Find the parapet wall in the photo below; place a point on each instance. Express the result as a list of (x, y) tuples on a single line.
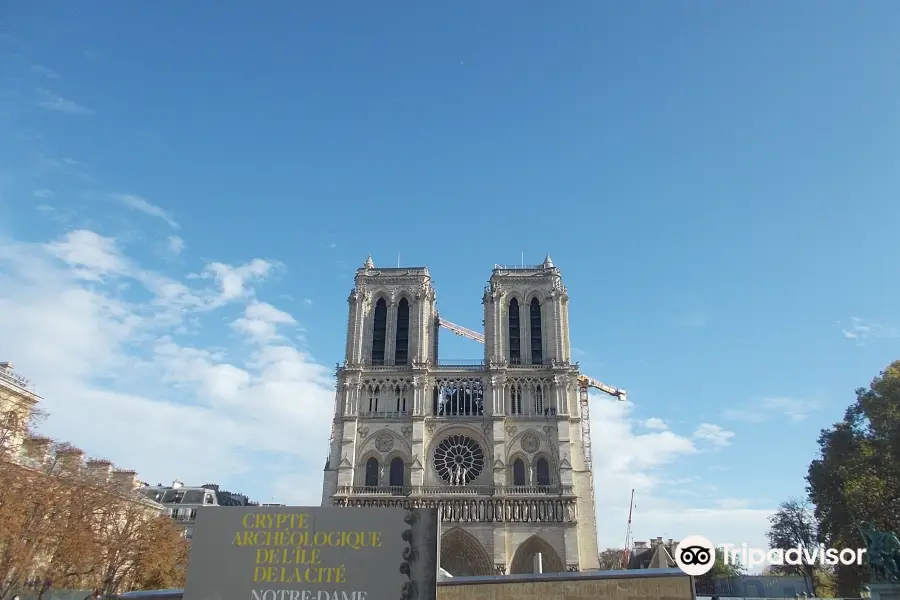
[(644, 584)]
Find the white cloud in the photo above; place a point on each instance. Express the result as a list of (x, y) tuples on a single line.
[(765, 409), (233, 281), (655, 423), (43, 194), (51, 101), (141, 205), (665, 504), (174, 245), (261, 320), (713, 434), (91, 255), (210, 415), (861, 330)]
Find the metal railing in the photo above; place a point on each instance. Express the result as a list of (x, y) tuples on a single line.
[(498, 267), (462, 490), (386, 414)]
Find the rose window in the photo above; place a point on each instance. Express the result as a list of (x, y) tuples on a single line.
[(459, 459)]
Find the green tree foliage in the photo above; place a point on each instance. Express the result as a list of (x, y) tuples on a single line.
[(794, 526), (611, 559), (857, 473), (721, 569)]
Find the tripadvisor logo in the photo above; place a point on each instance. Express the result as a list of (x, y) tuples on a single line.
[(696, 556)]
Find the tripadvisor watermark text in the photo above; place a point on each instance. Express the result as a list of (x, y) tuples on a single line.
[(826, 557), (696, 555)]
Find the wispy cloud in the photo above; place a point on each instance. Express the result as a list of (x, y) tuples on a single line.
[(50, 101), (139, 204), (766, 409), (861, 330), (43, 194), (714, 435), (45, 71), (174, 245)]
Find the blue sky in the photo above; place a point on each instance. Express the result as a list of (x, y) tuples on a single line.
[(715, 180)]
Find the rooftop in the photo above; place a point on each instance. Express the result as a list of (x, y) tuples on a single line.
[(9, 376)]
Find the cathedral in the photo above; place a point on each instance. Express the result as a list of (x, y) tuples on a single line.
[(495, 444)]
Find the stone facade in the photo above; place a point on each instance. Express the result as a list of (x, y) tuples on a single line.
[(495, 444)]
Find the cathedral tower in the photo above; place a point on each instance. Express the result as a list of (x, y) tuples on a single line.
[(496, 444)]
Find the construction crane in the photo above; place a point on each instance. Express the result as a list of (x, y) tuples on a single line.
[(628, 541), (584, 384)]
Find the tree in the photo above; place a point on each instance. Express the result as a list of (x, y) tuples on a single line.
[(794, 526), (723, 568), (611, 559), (856, 475), (65, 525)]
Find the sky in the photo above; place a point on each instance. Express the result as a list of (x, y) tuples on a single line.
[(186, 190)]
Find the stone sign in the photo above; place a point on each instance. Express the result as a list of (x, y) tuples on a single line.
[(313, 553)]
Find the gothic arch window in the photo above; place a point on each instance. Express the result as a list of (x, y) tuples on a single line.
[(372, 472), (515, 397), (401, 354), (436, 394), (379, 335), (373, 400), (542, 472), (401, 400), (515, 343), (519, 472), (398, 472), (537, 348), (538, 400)]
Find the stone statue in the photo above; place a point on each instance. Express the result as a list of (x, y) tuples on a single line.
[(883, 550)]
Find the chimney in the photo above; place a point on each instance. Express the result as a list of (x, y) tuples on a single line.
[(126, 479), (640, 545), (36, 448), (69, 459), (99, 469)]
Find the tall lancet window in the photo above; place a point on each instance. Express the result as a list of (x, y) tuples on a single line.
[(379, 335), (537, 348), (372, 472), (401, 354), (515, 342)]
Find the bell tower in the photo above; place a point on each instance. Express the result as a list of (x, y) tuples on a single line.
[(391, 321), (526, 316)]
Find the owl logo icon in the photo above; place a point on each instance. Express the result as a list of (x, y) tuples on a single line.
[(695, 555)]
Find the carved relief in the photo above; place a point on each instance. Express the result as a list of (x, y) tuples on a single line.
[(530, 443), (363, 432), (407, 432), (500, 569), (511, 430), (384, 442)]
